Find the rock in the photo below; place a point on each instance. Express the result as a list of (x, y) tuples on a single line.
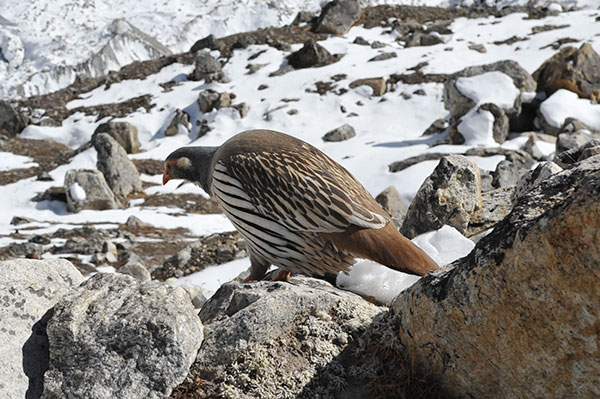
[(134, 221), (575, 125), (500, 128), (18, 220), (242, 109), (384, 56), (480, 48), (496, 204), (311, 55), (136, 270), (340, 133), (210, 42), (304, 17), (516, 317), (576, 70), (377, 84), (264, 328), (28, 250), (211, 99), (459, 104), (115, 337), (578, 154), (29, 289), (506, 174), (533, 178), (12, 122), (124, 133), (207, 68), (97, 194), (44, 176), (436, 127), (449, 196), (570, 141), (337, 17), (377, 44), (120, 173), (424, 39), (361, 41), (282, 70), (179, 123), (391, 202)]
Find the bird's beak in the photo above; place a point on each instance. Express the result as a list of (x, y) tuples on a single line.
[(167, 173)]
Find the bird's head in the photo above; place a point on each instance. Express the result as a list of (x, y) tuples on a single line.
[(191, 164)]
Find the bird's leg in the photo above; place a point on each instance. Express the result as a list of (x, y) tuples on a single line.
[(282, 275), (258, 268)]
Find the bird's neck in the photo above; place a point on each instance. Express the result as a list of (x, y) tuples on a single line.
[(203, 170)]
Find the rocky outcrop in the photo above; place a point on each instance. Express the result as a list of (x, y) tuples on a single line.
[(340, 133), (124, 133), (12, 122), (29, 288), (87, 189), (517, 317), (576, 70), (338, 16), (120, 173), (274, 339), (448, 196), (115, 337), (207, 68)]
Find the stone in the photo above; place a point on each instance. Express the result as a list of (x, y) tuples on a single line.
[(378, 85), (207, 68), (576, 70), (570, 141), (506, 174), (391, 202), (533, 178), (449, 196), (264, 328), (210, 42), (361, 41), (338, 16), (516, 317), (28, 291), (136, 270), (311, 55), (115, 337), (459, 105), (500, 128), (340, 133), (589, 149), (124, 133), (242, 109), (12, 122), (211, 99), (304, 17), (136, 222), (120, 173), (282, 70), (496, 204), (27, 250), (377, 44), (424, 39), (438, 126), (44, 176), (384, 56), (480, 48), (243, 41), (179, 123), (97, 193)]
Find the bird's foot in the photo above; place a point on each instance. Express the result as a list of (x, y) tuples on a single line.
[(282, 275)]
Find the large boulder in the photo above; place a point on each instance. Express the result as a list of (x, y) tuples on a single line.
[(12, 122), (207, 68), (274, 340), (120, 173), (338, 16), (449, 196), (29, 289), (311, 55), (124, 133), (576, 70), (116, 337), (518, 317), (87, 189)]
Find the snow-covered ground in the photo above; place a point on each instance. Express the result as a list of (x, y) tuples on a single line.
[(387, 131)]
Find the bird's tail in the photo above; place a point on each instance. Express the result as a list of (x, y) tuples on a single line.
[(385, 246)]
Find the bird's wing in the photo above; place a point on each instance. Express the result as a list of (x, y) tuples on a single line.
[(305, 193)]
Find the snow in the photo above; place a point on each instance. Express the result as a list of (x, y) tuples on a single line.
[(490, 87), (565, 104), (477, 127), (9, 161), (77, 192), (211, 278)]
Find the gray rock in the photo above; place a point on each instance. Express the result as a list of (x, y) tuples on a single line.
[(480, 48), (242, 109), (136, 270), (303, 17), (120, 173), (134, 221), (265, 328), (12, 122), (533, 178), (338, 16), (384, 56), (506, 174), (570, 141), (124, 133), (340, 133), (391, 202), (211, 99), (459, 105), (361, 41), (207, 68), (449, 196), (424, 39), (28, 250), (500, 130), (378, 85), (517, 317), (210, 42), (98, 195), (282, 70), (115, 337), (311, 55), (181, 120), (28, 291), (578, 154), (496, 204)]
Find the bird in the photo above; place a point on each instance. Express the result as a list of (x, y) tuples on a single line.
[(296, 207)]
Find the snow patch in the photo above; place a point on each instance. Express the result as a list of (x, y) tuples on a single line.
[(77, 192), (490, 87), (565, 104)]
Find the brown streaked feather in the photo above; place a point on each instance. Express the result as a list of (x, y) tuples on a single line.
[(385, 246)]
